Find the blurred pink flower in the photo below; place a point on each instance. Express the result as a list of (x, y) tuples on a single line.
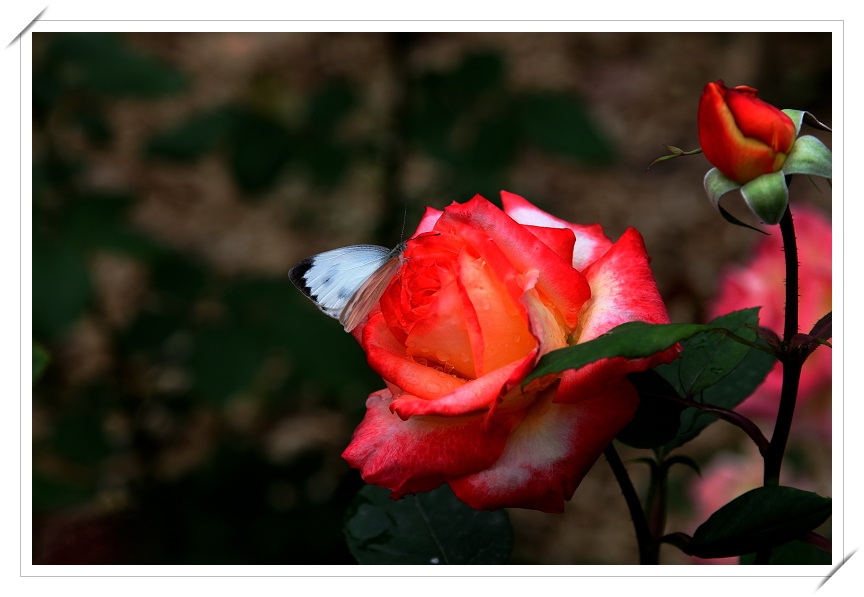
[(761, 283)]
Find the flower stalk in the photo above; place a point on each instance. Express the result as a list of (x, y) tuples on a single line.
[(791, 360), (649, 549)]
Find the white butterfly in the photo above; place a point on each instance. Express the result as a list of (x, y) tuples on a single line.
[(346, 283)]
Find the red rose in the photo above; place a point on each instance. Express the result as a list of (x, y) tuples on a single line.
[(740, 134), (474, 307)]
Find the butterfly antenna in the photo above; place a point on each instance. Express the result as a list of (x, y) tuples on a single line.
[(404, 218)]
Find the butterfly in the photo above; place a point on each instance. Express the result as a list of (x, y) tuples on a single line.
[(346, 283)]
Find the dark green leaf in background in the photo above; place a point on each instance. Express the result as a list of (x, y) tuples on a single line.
[(105, 63), (95, 125), (761, 518), (98, 221), (192, 138), (328, 106), (427, 528), (53, 494), (61, 287), (477, 74), (282, 319), (226, 361), (40, 360), (260, 147), (78, 436), (561, 124)]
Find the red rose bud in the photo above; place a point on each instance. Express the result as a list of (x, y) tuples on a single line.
[(740, 134)]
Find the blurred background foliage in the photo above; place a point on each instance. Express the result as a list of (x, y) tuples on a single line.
[(189, 405)]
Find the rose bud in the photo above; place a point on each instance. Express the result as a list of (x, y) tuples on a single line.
[(740, 134)]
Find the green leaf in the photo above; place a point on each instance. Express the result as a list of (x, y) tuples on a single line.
[(730, 391), (762, 518), (767, 196), (808, 156), (707, 358), (632, 340), (427, 528), (657, 419), (40, 360), (677, 152)]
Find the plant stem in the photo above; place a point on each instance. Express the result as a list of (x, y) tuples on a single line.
[(774, 456), (649, 550), (791, 360), (730, 416), (657, 514)]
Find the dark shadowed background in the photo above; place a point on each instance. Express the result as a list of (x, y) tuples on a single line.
[(194, 404)]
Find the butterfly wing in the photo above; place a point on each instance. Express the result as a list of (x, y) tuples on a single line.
[(369, 293), (332, 278)]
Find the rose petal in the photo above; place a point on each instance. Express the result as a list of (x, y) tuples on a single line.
[(558, 280), (623, 289), (590, 243), (550, 452), (477, 394), (423, 452), (447, 335), (427, 222), (502, 320), (560, 240), (760, 120), (387, 356)]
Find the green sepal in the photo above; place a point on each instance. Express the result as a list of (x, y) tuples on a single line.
[(801, 116), (767, 196), (718, 184), (808, 156), (733, 220)]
